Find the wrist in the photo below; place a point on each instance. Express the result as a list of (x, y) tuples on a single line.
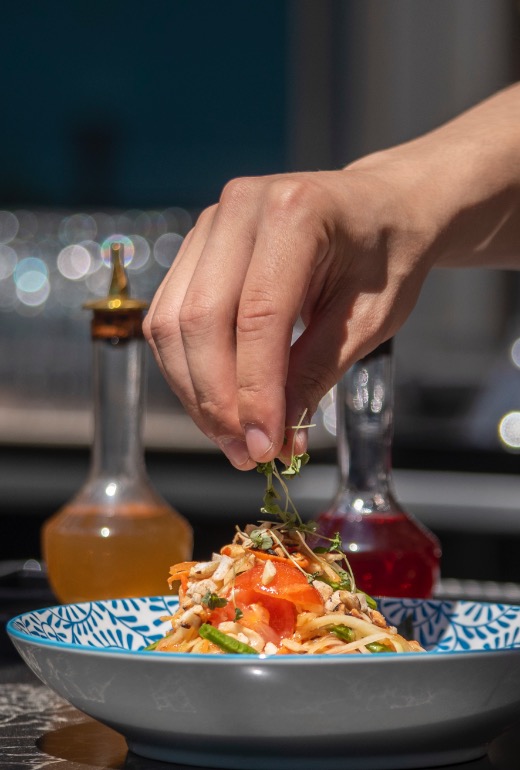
[(460, 184)]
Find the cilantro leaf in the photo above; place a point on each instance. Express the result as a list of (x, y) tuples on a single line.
[(213, 601)]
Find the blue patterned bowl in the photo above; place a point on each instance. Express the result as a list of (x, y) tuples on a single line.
[(249, 712)]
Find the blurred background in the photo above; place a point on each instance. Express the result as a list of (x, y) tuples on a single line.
[(126, 119)]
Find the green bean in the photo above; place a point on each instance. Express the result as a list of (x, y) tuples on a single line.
[(345, 633), (224, 641), (378, 647)]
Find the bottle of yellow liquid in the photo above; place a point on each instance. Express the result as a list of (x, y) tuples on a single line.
[(117, 537)]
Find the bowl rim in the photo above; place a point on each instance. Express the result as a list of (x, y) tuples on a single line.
[(26, 638)]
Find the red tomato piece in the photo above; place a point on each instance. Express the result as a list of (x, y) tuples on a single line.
[(272, 618), (282, 615), (289, 584)]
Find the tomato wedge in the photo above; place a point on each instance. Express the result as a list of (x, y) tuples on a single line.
[(282, 615), (288, 583), (271, 609), (272, 618)]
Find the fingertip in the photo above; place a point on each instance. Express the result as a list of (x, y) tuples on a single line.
[(301, 442), (237, 453), (259, 445)]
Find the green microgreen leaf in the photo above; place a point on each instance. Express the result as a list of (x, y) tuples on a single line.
[(213, 601), (265, 468), (343, 584), (335, 545), (296, 464), (280, 505), (261, 539), (314, 576), (238, 614)]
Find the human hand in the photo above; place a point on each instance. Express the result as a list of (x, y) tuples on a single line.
[(347, 251), (344, 250)]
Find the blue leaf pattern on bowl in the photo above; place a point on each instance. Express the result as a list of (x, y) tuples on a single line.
[(448, 626), (131, 624), (127, 624)]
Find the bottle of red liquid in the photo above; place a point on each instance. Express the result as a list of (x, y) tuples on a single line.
[(390, 552)]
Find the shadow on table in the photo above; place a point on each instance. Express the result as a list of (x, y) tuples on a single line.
[(90, 745)]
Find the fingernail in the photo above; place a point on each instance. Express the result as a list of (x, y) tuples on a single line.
[(235, 450), (258, 443)]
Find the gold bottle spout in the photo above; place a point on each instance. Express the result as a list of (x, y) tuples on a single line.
[(118, 299), (117, 316)]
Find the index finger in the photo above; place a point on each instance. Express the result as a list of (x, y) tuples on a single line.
[(289, 246)]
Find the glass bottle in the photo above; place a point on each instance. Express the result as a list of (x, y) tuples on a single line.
[(117, 537), (390, 552)]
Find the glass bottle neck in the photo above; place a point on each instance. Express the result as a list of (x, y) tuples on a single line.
[(365, 429), (118, 381)]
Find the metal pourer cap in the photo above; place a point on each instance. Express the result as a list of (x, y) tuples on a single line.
[(118, 299)]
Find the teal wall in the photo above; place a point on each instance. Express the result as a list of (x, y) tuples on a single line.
[(130, 103)]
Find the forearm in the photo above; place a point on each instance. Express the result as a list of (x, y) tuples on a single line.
[(464, 181)]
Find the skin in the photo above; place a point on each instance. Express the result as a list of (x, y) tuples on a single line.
[(347, 251)]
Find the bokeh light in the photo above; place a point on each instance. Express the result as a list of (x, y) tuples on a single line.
[(34, 297), (31, 274), (117, 238), (105, 224), (509, 430), (77, 227), (141, 254), (156, 224), (94, 250), (74, 261), (31, 278), (8, 260), (8, 226), (166, 248), (55, 260), (178, 220), (515, 353)]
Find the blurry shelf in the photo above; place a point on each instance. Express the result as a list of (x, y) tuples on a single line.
[(205, 486), (73, 427), (62, 427)]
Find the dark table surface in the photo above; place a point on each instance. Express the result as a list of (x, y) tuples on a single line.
[(41, 731)]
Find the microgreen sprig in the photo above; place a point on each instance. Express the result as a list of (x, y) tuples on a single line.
[(288, 514), (279, 503), (261, 539), (213, 601)]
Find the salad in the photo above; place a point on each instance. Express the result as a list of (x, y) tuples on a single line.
[(278, 588)]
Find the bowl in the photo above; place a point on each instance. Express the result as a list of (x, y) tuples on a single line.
[(251, 712)]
